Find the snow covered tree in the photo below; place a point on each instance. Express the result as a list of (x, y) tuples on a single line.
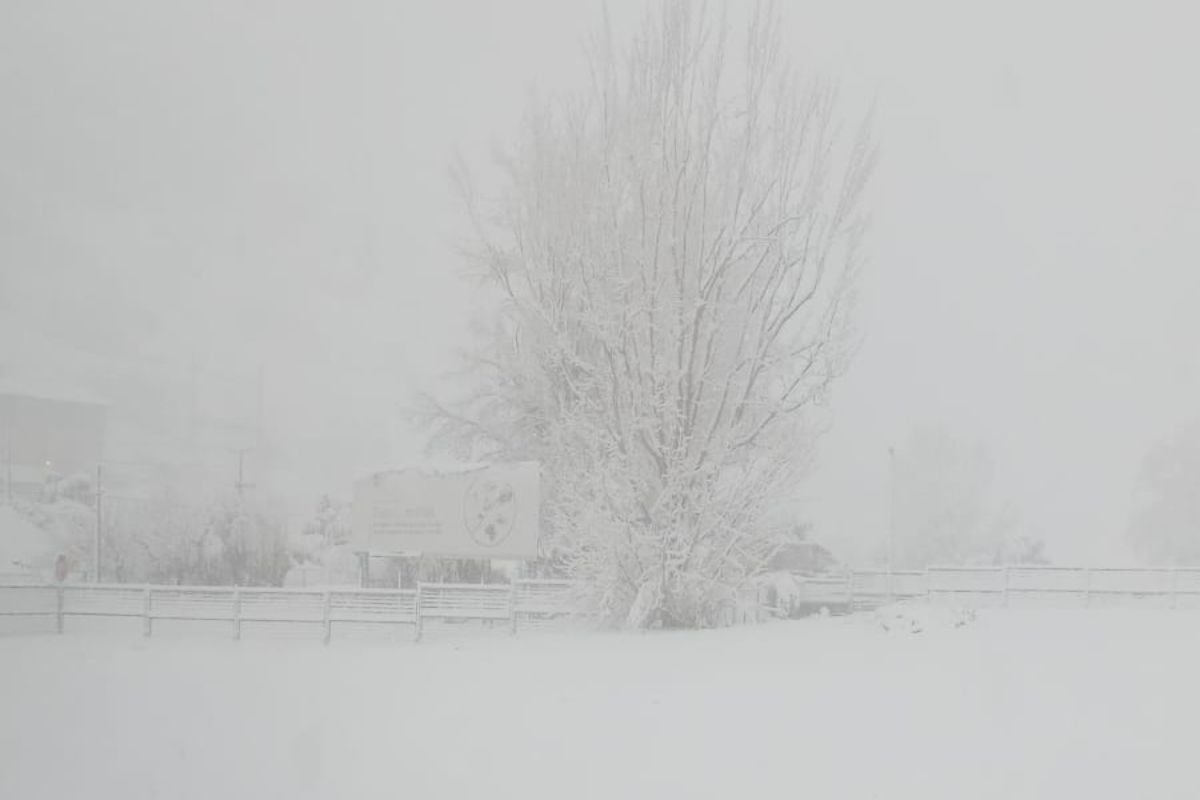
[(672, 260), (243, 547), (1165, 526), (328, 530), (945, 511), (157, 539), (324, 542), (168, 539)]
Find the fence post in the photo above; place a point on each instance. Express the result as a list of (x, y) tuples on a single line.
[(890, 593), (1005, 569), (928, 586), (1087, 587), (58, 608), (147, 620), (327, 618), (237, 613), (1173, 592), (849, 591)]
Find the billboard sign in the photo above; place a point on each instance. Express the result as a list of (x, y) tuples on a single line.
[(490, 511)]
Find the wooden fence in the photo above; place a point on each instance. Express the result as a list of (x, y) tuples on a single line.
[(1005, 586), (236, 611), (321, 611)]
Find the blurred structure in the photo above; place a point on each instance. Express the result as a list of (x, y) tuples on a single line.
[(42, 436)]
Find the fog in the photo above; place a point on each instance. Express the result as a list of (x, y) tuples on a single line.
[(242, 213)]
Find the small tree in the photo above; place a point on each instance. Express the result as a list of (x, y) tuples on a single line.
[(672, 261)]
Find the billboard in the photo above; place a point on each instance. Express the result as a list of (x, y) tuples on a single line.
[(490, 511)]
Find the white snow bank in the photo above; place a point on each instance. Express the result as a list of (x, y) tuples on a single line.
[(22, 545), (922, 617), (1088, 704)]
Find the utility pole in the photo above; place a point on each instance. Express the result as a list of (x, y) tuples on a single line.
[(891, 538), (241, 484), (8, 455), (193, 404), (99, 522), (258, 406)]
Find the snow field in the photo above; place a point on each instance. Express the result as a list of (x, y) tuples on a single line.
[(1002, 704)]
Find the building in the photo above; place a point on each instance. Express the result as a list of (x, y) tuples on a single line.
[(40, 436)]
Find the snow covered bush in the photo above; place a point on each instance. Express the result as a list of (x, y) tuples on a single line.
[(671, 263), (166, 538)]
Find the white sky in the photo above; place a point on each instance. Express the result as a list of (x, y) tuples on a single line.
[(235, 184)]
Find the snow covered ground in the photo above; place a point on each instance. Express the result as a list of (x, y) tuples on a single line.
[(1028, 704)]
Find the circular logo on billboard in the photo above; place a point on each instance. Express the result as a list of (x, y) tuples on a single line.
[(491, 510)]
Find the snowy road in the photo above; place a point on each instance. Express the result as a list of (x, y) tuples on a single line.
[(1079, 704)]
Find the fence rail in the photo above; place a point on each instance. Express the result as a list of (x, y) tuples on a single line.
[(317, 609), (1003, 586)]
